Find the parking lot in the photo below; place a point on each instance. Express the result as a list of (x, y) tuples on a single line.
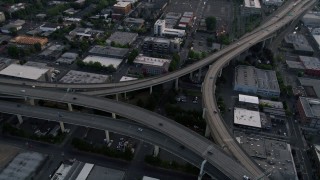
[(223, 11), (181, 6)]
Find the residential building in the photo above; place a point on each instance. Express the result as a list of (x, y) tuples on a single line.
[(310, 86), (2, 17), (249, 79), (67, 58), (49, 27), (29, 41), (152, 66), (15, 7), (299, 44), (251, 7), (53, 52), (15, 25), (160, 45), (161, 30), (122, 7), (272, 2), (108, 51), (134, 23), (309, 111), (85, 33), (311, 19), (122, 38), (311, 65)]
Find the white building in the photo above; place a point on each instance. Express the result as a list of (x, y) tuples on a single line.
[(244, 117), (272, 2), (161, 30), (248, 99), (251, 7), (105, 61), (49, 27), (26, 72)]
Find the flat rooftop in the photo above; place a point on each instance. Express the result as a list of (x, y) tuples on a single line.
[(314, 83), (157, 40), (26, 72), (22, 166), (298, 41), (127, 78), (273, 104), (122, 38), (83, 77), (151, 61), (311, 63), (247, 117), (295, 65), (311, 106), (254, 77), (105, 61), (271, 155), (252, 4), (109, 51), (248, 99)]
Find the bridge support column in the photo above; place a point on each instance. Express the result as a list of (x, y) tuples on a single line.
[(201, 173), (62, 127), (70, 107), (263, 44), (191, 75), (155, 151), (31, 101), (117, 97), (125, 95), (199, 74), (150, 90), (176, 86), (114, 116), (20, 118), (220, 73), (207, 132), (107, 136), (203, 113)]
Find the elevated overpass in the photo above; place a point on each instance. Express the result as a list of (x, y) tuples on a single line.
[(121, 126), (218, 128), (121, 87), (192, 141)]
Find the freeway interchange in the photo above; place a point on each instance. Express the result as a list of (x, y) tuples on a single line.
[(192, 141)]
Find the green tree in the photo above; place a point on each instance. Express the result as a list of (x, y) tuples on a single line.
[(13, 51), (174, 64), (13, 31), (37, 47), (134, 53), (211, 23)]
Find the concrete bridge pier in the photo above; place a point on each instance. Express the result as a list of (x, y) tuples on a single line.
[(70, 108), (117, 97), (20, 118), (107, 136), (176, 86), (263, 44), (199, 74), (31, 101), (191, 75), (220, 73), (62, 127), (114, 116), (150, 90), (207, 132), (155, 151), (203, 113), (125, 95)]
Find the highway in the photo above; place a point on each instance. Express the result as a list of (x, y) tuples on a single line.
[(196, 143), (112, 88), (218, 128), (121, 126), (190, 140)]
